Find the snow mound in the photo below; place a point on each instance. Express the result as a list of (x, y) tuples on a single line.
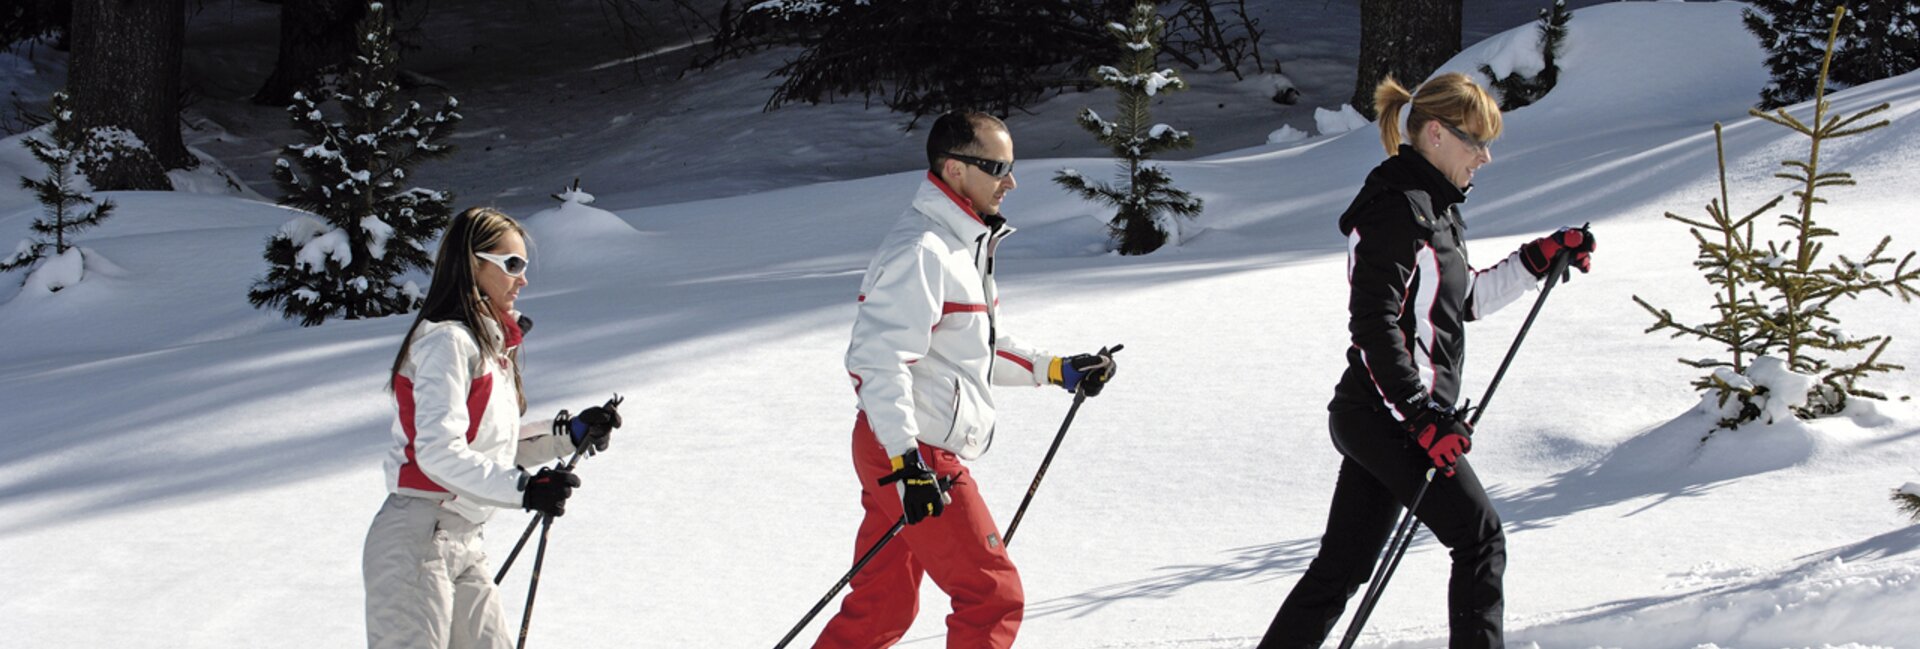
[(1334, 122), (576, 233), (1286, 135), (1515, 51), (1617, 68), (57, 272)]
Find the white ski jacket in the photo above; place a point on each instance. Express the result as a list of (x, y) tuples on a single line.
[(928, 339), (456, 433)]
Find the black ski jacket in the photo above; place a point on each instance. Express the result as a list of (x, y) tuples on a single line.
[(1412, 290)]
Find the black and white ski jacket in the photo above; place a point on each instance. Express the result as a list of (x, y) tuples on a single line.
[(1412, 290)]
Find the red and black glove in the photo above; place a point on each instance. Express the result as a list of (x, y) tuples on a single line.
[(1538, 253), (1440, 431)]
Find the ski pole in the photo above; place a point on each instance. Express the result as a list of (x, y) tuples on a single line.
[(857, 565), (578, 450), (1395, 549), (539, 557), (1078, 398), (1398, 546), (538, 518)]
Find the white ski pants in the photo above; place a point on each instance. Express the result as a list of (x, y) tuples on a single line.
[(428, 584)]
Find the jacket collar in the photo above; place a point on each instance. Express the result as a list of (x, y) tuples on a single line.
[(948, 208), (510, 321)]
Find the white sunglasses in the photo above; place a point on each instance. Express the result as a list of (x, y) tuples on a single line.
[(512, 265)]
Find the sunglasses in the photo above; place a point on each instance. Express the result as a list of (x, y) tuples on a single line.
[(994, 168), (1471, 141), (512, 265)]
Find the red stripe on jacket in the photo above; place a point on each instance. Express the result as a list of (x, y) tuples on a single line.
[(478, 393), (1016, 359)]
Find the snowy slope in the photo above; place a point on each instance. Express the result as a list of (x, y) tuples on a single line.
[(182, 470)]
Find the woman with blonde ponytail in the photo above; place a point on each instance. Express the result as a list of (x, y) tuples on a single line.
[(458, 448), (1410, 294)]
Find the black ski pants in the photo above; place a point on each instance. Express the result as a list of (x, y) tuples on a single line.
[(1379, 475)]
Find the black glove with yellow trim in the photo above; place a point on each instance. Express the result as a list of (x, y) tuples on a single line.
[(922, 494), (1084, 373)]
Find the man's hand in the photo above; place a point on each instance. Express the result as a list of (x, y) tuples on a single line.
[(1085, 373), (921, 493)]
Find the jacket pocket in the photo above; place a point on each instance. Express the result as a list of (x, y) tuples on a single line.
[(952, 414)]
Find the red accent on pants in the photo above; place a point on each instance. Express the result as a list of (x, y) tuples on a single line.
[(960, 549)]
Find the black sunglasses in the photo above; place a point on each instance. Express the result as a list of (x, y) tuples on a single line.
[(993, 168)]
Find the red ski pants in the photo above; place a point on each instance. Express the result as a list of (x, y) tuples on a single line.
[(960, 549)]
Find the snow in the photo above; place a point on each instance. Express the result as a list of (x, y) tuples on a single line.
[(1335, 122), (378, 232), (331, 244), (1516, 52), (1286, 135), (57, 271), (1910, 489), (1786, 389), (210, 468)]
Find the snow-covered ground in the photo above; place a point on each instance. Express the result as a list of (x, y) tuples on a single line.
[(181, 470)]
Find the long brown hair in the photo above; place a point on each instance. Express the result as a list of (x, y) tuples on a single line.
[(455, 295), (1453, 98)]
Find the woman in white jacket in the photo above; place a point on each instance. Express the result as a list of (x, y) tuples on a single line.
[(458, 447)]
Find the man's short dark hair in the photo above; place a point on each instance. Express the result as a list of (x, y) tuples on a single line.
[(956, 132)]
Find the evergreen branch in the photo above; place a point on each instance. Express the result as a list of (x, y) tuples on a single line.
[(1908, 503)]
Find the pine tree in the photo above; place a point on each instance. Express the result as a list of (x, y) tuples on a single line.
[(1882, 39), (1144, 193), (1788, 285), (66, 207), (922, 57), (350, 174), (1726, 252), (1517, 90)]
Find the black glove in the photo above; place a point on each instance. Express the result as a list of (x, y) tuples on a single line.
[(1086, 373), (547, 492), (921, 493), (1440, 431), (1538, 253), (594, 426)]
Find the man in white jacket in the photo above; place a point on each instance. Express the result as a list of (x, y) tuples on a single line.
[(926, 346)]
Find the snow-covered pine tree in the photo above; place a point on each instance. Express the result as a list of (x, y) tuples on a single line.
[(1882, 39), (368, 227), (66, 206), (1144, 193), (1517, 90), (1787, 312)]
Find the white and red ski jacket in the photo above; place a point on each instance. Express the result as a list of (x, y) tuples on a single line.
[(456, 433), (928, 339)]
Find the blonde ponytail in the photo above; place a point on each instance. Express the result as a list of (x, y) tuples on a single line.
[(1388, 97)]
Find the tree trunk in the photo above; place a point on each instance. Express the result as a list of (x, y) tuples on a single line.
[(1408, 39), (125, 74), (314, 35)]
